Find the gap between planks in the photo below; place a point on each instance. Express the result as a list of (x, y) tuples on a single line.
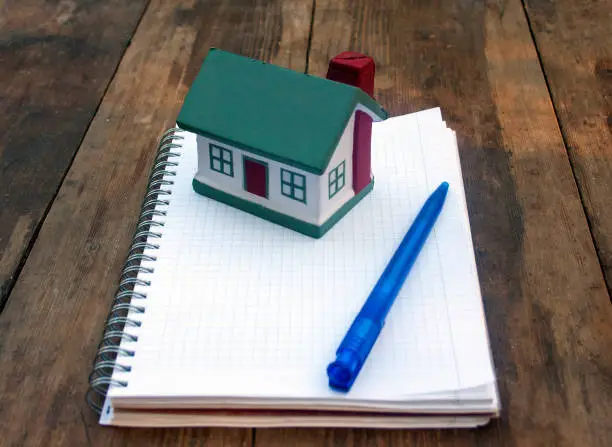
[(5, 295), (564, 138)]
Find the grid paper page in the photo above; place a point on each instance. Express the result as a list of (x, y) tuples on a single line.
[(241, 308)]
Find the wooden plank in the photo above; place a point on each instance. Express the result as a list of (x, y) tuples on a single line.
[(546, 303), (575, 46), (56, 60), (53, 320)]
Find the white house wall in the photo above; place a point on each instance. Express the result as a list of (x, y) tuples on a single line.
[(344, 151), (307, 212)]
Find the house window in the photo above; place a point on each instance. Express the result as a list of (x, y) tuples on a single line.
[(336, 179), (221, 160), (293, 185)]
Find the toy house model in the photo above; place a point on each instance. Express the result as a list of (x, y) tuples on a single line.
[(285, 146)]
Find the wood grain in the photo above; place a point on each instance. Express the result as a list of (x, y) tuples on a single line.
[(56, 60), (547, 307), (53, 320), (574, 40)]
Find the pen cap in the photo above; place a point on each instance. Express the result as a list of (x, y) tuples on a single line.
[(352, 353)]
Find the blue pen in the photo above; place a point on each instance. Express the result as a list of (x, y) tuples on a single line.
[(360, 338)]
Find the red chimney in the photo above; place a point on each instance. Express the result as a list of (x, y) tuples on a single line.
[(358, 70)]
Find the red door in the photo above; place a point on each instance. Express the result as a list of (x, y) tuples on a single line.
[(256, 177)]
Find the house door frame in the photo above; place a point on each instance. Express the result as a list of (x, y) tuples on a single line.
[(254, 176)]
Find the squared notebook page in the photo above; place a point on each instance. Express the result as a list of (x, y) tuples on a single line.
[(243, 310)]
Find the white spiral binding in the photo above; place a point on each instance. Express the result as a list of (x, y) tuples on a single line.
[(115, 342)]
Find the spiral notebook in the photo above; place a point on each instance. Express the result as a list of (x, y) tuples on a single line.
[(226, 319)]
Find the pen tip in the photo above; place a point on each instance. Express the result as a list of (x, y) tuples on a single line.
[(440, 192)]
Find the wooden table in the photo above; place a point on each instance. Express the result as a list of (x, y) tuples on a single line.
[(86, 89)]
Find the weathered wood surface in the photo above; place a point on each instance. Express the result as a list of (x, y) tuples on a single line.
[(56, 60), (547, 306), (53, 320), (574, 40), (546, 303)]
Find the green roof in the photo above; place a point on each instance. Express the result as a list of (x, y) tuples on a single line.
[(291, 117)]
